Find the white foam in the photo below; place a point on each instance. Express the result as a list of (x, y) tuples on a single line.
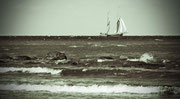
[(104, 60), (164, 61), (146, 57), (63, 61), (84, 89), (84, 70), (133, 60), (121, 45), (30, 70)]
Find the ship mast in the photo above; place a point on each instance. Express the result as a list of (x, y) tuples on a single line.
[(108, 23)]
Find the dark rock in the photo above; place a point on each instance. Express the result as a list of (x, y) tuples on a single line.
[(34, 58), (22, 58), (5, 57), (112, 66), (169, 91), (74, 63), (56, 56), (105, 57)]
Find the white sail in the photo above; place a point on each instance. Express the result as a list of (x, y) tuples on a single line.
[(122, 28)]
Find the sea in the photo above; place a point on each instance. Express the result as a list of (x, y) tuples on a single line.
[(102, 68)]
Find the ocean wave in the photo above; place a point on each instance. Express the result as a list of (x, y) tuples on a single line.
[(30, 70), (92, 89), (81, 71)]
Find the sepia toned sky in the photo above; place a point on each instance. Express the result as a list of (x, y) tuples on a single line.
[(88, 17)]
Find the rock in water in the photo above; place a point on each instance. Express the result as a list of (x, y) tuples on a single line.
[(105, 57), (56, 56)]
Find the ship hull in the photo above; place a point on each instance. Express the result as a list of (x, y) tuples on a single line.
[(115, 35), (112, 35)]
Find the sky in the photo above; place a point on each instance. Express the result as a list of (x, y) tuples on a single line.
[(88, 17)]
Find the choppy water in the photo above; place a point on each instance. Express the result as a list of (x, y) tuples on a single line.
[(91, 89), (100, 78), (49, 80)]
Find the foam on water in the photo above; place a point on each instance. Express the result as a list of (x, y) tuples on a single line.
[(30, 70), (121, 45), (133, 60), (104, 60), (146, 57), (88, 89)]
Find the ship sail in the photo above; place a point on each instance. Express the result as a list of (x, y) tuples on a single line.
[(121, 27)]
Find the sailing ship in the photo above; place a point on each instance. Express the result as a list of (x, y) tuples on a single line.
[(120, 28)]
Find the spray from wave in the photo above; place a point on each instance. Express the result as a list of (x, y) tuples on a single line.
[(146, 57)]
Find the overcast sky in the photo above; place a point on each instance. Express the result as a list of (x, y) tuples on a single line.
[(88, 17)]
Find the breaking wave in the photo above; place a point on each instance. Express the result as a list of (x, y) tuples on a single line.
[(91, 89), (30, 70), (146, 57)]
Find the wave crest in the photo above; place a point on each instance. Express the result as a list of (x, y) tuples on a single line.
[(92, 88), (30, 70)]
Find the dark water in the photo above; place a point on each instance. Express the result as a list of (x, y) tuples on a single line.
[(151, 69)]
